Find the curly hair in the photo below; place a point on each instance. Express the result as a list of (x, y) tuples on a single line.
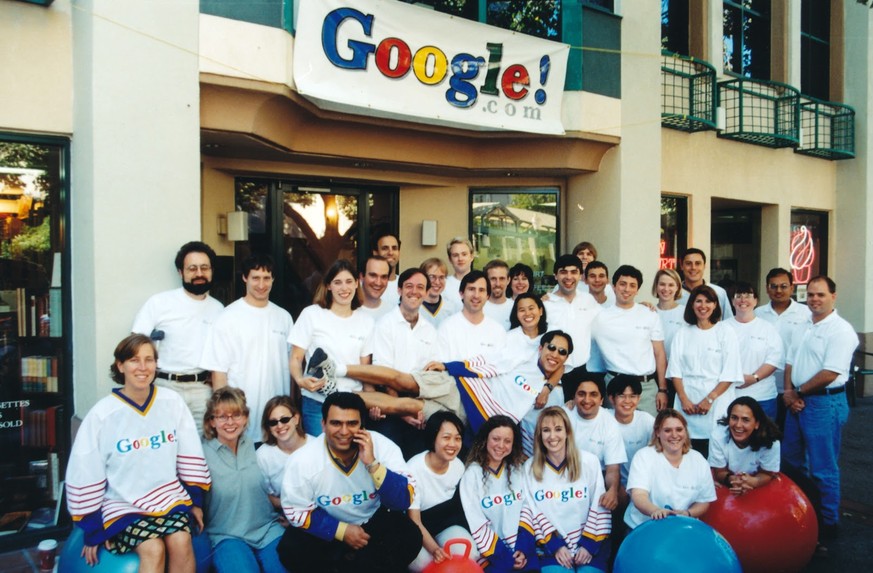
[(767, 433), (479, 451)]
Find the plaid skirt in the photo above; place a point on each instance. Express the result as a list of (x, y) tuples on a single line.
[(148, 527)]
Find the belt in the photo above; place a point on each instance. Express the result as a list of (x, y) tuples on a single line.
[(201, 376), (638, 378), (825, 391)]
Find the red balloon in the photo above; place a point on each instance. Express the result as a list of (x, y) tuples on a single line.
[(773, 528), (456, 563)]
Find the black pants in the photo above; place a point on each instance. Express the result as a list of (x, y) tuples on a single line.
[(394, 542)]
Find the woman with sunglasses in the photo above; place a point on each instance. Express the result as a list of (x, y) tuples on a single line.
[(283, 433), (240, 521)]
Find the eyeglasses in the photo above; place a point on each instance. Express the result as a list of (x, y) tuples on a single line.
[(553, 348), (436, 278), (225, 418), (627, 396), (201, 268), (282, 420), (744, 296), (783, 286)]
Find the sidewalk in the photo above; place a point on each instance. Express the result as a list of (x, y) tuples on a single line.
[(853, 551)]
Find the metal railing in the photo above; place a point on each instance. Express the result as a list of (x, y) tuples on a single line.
[(688, 94), (760, 112), (827, 129)]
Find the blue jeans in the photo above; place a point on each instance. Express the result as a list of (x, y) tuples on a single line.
[(769, 407), (812, 445), (311, 410), (578, 569), (236, 556)]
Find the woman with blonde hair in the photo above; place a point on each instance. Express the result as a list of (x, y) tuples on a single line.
[(563, 486), (668, 477), (240, 521)]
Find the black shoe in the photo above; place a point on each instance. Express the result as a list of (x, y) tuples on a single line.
[(315, 370)]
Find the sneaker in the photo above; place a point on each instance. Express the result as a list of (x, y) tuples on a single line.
[(315, 370)]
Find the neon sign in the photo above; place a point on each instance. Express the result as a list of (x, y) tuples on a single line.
[(802, 254)]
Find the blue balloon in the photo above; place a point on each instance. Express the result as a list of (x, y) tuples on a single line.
[(70, 559), (676, 543)]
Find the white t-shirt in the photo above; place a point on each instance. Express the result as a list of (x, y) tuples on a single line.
[(345, 340), (185, 322), (759, 344), (679, 488), (499, 312), (376, 313), (272, 460), (826, 345), (702, 359), (518, 348), (600, 435), (390, 296), (671, 321), (724, 453), (249, 344), (790, 321), (624, 338), (404, 348), (575, 319), (635, 435), (433, 488), (459, 339)]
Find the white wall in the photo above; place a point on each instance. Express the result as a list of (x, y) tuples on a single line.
[(135, 168)]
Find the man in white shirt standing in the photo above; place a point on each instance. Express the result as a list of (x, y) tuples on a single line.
[(388, 247), (179, 321), (596, 275), (460, 253), (573, 312), (470, 333), (693, 264), (788, 316), (629, 340), (373, 285), (498, 306), (247, 347)]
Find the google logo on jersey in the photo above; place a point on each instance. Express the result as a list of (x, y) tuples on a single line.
[(564, 495), (506, 499), (352, 498), (154, 442)]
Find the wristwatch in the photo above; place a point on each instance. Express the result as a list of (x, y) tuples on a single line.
[(710, 400), (756, 377), (550, 386)]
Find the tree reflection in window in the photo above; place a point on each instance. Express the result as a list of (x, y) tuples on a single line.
[(746, 25)]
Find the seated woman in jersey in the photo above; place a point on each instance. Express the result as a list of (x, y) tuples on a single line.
[(137, 474), (240, 521), (319, 326), (563, 486), (668, 477), (492, 498), (436, 508), (744, 449), (282, 427)]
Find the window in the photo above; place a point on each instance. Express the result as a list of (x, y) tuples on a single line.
[(516, 226), (674, 26), (747, 38), (35, 392), (541, 18), (308, 226), (809, 247), (815, 48), (674, 230)]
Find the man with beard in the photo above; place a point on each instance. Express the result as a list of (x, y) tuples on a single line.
[(178, 320)]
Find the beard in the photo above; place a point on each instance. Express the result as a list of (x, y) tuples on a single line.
[(197, 288)]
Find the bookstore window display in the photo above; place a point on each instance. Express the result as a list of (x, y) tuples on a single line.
[(34, 380)]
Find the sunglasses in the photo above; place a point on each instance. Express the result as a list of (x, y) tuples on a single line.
[(282, 420), (561, 351)]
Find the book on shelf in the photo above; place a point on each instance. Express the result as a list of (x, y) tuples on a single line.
[(40, 427), (39, 313), (39, 373)]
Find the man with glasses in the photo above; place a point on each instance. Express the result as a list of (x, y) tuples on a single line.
[(435, 307), (178, 320), (787, 315)]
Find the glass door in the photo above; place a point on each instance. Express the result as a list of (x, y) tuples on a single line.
[(306, 227)]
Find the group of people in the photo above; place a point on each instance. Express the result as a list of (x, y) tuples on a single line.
[(369, 401)]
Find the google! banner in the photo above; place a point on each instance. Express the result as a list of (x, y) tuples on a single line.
[(390, 59)]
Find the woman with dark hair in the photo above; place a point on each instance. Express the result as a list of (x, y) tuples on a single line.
[(334, 326), (492, 498), (668, 477), (521, 280), (527, 321), (282, 427), (744, 450), (704, 365), (137, 473), (571, 529), (243, 529), (436, 508)]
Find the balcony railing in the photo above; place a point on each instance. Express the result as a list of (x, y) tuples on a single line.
[(827, 129), (687, 93), (760, 112)]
